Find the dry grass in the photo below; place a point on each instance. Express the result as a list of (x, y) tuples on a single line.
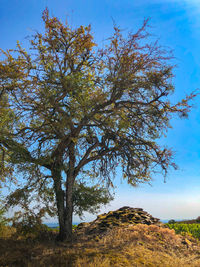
[(139, 245)]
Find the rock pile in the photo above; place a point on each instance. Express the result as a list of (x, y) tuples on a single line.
[(121, 217)]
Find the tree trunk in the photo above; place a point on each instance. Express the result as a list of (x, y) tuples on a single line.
[(69, 191), (65, 203), (59, 203), (69, 207)]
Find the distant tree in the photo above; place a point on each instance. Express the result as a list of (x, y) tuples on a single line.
[(171, 221), (198, 219), (83, 110)]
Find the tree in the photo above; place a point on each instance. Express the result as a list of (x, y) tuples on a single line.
[(84, 111)]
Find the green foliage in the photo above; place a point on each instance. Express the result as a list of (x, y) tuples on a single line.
[(4, 228), (3, 220), (185, 228), (85, 198), (33, 208), (7, 122), (89, 199), (171, 221), (28, 225)]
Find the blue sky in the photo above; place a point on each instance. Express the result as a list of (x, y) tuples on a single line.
[(177, 26)]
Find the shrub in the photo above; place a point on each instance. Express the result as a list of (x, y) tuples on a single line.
[(29, 226), (186, 228), (3, 220), (5, 230)]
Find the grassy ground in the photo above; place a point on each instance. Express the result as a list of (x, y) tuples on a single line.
[(139, 245)]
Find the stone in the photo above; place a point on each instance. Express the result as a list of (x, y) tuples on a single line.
[(124, 216)]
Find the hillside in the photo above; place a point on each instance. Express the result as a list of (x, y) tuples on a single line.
[(125, 244)]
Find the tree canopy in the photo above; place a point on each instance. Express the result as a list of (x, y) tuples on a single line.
[(80, 110)]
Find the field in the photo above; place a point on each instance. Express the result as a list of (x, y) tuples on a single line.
[(135, 245)]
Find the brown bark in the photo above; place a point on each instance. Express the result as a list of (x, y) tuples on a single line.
[(59, 203), (65, 203), (69, 192), (69, 207)]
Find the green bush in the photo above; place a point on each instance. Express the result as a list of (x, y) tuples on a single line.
[(185, 228), (5, 230), (3, 219), (29, 226)]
